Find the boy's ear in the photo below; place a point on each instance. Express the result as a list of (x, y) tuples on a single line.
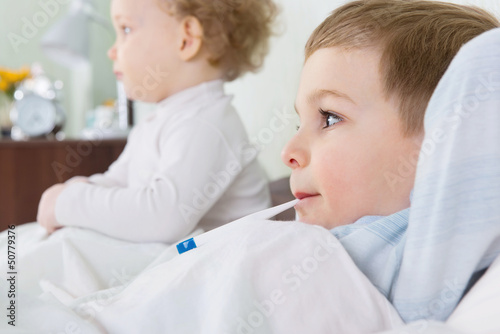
[(191, 38)]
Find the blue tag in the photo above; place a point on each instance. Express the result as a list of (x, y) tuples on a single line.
[(186, 245)]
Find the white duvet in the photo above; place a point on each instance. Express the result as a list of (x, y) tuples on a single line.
[(252, 276)]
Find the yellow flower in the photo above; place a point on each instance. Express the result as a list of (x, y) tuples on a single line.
[(9, 78), (3, 85)]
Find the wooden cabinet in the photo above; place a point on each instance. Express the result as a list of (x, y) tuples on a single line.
[(28, 168)]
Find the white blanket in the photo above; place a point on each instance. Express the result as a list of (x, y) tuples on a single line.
[(69, 264), (253, 276), (477, 313)]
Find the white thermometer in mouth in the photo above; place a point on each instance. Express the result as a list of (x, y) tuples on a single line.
[(196, 242)]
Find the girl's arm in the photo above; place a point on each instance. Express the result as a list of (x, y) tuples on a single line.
[(197, 166), (117, 173)]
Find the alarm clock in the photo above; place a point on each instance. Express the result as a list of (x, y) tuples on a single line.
[(35, 116)]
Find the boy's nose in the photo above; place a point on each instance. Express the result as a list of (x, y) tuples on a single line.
[(112, 52), (293, 155)]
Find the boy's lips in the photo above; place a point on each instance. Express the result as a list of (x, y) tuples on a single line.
[(301, 196), (119, 75), (305, 202)]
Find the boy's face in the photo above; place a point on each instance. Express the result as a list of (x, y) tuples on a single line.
[(349, 158), (144, 53)]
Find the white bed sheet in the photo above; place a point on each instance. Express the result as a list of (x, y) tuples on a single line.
[(254, 276)]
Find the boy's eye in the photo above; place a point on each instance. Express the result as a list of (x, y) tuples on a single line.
[(330, 119), (126, 30)]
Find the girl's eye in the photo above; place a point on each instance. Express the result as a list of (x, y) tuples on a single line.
[(126, 30), (330, 119)]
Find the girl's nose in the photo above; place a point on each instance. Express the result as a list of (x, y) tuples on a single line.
[(112, 52), (294, 154)]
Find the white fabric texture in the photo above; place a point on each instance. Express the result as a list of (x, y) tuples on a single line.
[(477, 313), (251, 276), (297, 280), (69, 264), (189, 164)]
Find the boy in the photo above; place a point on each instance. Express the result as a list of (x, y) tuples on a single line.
[(370, 70), (182, 167), (360, 123)]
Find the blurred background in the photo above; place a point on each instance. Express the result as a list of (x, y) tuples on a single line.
[(258, 97)]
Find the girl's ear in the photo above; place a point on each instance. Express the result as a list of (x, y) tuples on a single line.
[(191, 38)]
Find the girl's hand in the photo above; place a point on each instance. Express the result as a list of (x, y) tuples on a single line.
[(46, 216), (78, 179)]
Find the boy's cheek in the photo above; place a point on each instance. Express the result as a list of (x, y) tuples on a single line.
[(336, 166)]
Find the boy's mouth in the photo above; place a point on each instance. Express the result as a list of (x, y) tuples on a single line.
[(300, 195)]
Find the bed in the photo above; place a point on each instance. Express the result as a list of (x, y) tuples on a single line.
[(79, 281)]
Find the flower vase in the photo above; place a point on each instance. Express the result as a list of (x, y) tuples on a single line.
[(6, 104)]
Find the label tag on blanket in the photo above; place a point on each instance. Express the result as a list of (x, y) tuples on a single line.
[(186, 245), (189, 244)]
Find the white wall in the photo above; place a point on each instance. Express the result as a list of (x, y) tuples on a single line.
[(257, 96)]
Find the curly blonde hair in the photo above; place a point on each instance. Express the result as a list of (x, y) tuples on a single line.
[(235, 32)]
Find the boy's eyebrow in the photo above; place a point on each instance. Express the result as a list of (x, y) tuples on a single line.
[(320, 93)]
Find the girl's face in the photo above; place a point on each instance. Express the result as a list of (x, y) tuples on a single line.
[(349, 157), (145, 52)]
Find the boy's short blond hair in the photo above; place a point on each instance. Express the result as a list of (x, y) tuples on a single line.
[(417, 39), (235, 32)]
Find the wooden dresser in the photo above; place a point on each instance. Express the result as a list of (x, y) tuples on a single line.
[(28, 168)]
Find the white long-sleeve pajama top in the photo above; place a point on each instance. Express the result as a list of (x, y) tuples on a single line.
[(189, 164)]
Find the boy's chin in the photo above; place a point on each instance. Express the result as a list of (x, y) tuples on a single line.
[(311, 220), (320, 221)]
